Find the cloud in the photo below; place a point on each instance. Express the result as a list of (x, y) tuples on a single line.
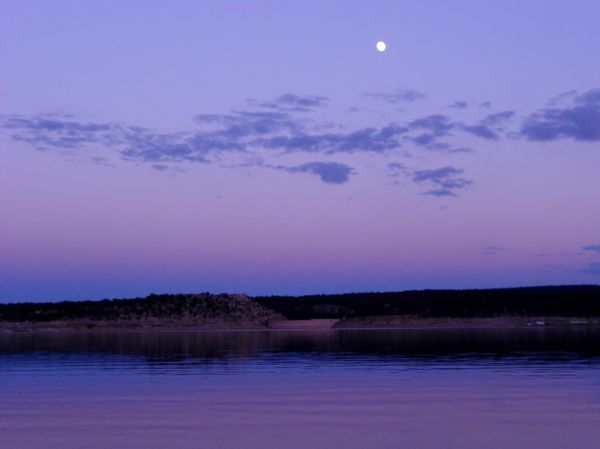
[(459, 105), (133, 143), (437, 124), (329, 172), (156, 147), (136, 143), (492, 250), (167, 169), (426, 132), (374, 140), (275, 125), (103, 161), (497, 118), (239, 132), (483, 131), (292, 103), (580, 120), (241, 124), (396, 166), (242, 132), (431, 128), (592, 268), (441, 192), (490, 126), (444, 181), (398, 170), (563, 98), (51, 131), (243, 138), (593, 248), (400, 96)]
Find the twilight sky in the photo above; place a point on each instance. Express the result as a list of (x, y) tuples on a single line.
[(266, 147)]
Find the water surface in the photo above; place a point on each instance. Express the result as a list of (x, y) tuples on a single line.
[(533, 388)]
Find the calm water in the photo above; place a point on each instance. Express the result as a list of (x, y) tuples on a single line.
[(285, 390)]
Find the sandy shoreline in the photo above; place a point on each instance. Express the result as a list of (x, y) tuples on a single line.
[(407, 322), (377, 322)]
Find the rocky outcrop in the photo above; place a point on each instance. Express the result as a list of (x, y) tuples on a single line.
[(193, 310)]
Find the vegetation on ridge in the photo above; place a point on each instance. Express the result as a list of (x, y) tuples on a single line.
[(567, 301), (562, 301), (172, 308)]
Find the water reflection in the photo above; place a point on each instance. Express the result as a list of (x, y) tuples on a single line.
[(498, 389), (165, 347)]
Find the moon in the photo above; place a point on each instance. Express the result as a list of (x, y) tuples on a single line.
[(380, 46)]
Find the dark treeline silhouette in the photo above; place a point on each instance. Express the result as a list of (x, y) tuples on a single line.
[(568, 301), (174, 307)]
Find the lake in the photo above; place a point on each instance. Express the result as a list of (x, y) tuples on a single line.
[(321, 389)]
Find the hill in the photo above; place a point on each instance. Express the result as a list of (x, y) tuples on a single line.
[(451, 308), (189, 310)]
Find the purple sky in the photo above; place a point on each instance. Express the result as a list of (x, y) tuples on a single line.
[(267, 147)]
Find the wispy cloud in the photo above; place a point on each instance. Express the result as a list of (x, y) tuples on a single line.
[(483, 131), (497, 118), (240, 124), (491, 126), (292, 103), (430, 128), (239, 132), (563, 98), (444, 181), (56, 131), (492, 250), (459, 105), (428, 131), (579, 120), (243, 133), (400, 96), (103, 161), (268, 130), (373, 140), (593, 248), (328, 172)]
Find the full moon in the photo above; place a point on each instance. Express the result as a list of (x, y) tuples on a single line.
[(380, 46)]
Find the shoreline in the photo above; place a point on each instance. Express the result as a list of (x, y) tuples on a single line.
[(500, 322), (358, 323)]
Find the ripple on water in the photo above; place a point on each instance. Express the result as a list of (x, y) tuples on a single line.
[(350, 389)]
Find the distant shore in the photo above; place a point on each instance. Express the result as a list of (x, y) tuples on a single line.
[(124, 326), (529, 307), (501, 322), (377, 322)]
